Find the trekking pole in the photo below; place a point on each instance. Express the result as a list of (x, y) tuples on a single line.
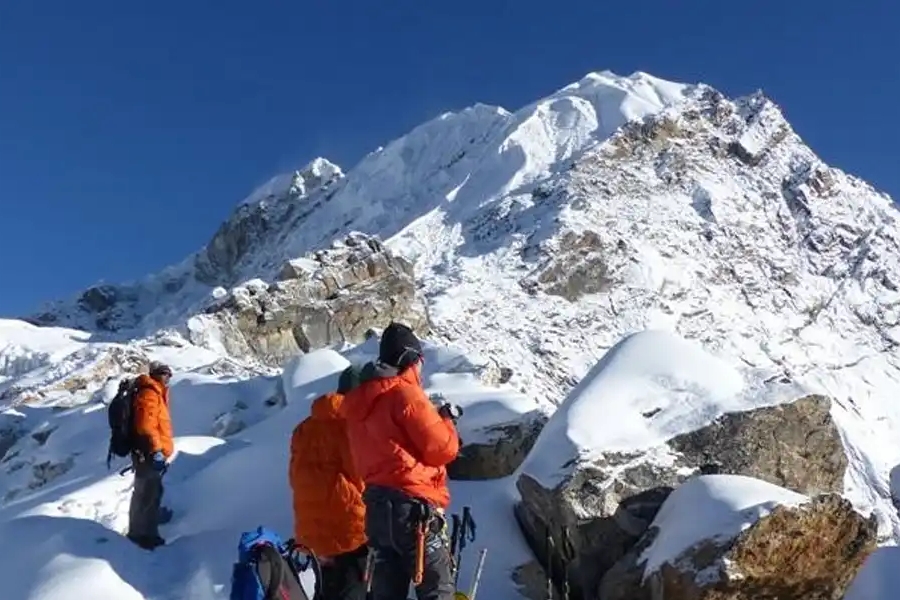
[(454, 547), (466, 534), (468, 523), (478, 569)]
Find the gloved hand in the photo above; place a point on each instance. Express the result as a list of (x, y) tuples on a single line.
[(159, 461), (450, 411)]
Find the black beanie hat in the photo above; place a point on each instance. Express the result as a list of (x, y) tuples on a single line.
[(399, 346)]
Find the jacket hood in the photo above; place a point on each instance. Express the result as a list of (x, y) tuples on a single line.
[(378, 379), (327, 407), (145, 380)]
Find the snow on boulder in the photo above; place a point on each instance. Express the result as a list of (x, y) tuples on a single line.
[(655, 410), (308, 376), (752, 540)]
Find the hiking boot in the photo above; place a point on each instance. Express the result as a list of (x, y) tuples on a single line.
[(147, 542)]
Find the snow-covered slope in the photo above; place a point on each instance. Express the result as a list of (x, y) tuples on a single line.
[(74, 514), (464, 159), (541, 238)]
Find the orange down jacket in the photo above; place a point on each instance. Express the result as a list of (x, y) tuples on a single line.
[(152, 422), (329, 514), (397, 437)]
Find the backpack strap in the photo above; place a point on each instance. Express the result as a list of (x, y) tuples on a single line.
[(276, 569), (312, 561)]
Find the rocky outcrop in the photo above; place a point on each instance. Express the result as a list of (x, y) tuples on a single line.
[(99, 367), (220, 261), (330, 297), (11, 431), (577, 266), (794, 445), (500, 457), (806, 552), (609, 503)]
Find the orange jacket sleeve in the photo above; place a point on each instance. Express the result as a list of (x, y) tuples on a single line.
[(147, 409), (434, 438), (348, 466)]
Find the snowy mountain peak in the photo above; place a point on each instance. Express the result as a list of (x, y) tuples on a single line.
[(606, 190), (317, 173), (536, 239)]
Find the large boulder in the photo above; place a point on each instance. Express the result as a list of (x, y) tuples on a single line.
[(499, 451), (653, 412), (330, 297), (753, 540)]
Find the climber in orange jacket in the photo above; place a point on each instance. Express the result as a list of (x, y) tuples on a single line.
[(154, 446), (401, 446), (329, 514)]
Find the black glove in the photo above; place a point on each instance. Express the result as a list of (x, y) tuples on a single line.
[(450, 411)]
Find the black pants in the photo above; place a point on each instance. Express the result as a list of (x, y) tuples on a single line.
[(391, 522), (343, 578), (144, 512)]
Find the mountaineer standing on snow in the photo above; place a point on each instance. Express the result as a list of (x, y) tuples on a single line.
[(154, 447), (401, 445), (329, 514)]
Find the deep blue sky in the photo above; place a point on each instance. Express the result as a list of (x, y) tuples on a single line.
[(129, 130)]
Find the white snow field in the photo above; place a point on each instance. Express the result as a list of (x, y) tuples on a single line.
[(70, 529), (542, 238)]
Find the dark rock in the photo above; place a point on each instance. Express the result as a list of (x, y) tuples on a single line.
[(806, 552), (578, 267), (609, 503), (794, 445), (503, 456)]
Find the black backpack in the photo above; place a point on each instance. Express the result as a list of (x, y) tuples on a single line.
[(120, 414)]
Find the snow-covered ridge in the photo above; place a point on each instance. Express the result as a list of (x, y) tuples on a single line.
[(314, 175), (473, 156)]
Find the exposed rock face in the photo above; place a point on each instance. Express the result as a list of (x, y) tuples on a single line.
[(10, 432), (502, 457), (609, 504), (808, 552), (333, 296), (578, 267), (531, 581), (793, 445), (218, 263), (99, 367)]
